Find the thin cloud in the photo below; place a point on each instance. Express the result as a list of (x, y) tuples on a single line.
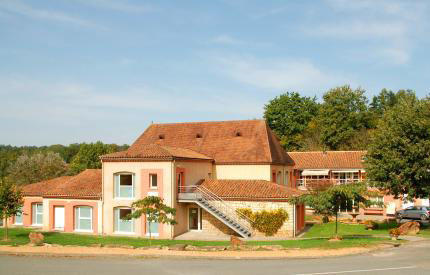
[(118, 5), (387, 27), (20, 8), (299, 75), (226, 40)]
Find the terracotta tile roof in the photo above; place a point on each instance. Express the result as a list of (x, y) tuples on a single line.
[(155, 151), (241, 141), (328, 160), (86, 185), (257, 190)]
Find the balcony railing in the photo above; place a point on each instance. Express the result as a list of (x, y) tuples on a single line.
[(303, 183)]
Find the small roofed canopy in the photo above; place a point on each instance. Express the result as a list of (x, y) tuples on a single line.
[(85, 185), (155, 151), (250, 190)]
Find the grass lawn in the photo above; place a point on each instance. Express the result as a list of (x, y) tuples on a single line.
[(19, 236), (328, 229)]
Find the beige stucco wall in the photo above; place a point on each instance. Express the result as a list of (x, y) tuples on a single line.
[(109, 202), (234, 172), (194, 172)]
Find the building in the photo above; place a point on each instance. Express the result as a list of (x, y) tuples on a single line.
[(205, 170), (341, 167)]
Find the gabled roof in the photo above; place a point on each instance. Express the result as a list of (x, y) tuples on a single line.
[(155, 151), (85, 185), (228, 142), (328, 160), (256, 190)]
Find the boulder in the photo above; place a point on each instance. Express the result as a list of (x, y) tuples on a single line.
[(235, 241), (36, 238), (409, 228)]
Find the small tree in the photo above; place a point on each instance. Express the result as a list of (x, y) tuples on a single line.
[(153, 208), (326, 198), (11, 202)]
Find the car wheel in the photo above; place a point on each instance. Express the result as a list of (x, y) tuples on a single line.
[(423, 217)]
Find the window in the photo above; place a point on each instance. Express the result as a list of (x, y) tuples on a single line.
[(153, 227), (286, 180), (377, 202), (124, 186), (83, 219), (37, 214), (179, 179), (120, 225), (153, 181), (278, 178), (18, 218)]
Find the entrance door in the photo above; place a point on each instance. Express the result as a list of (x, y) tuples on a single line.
[(193, 218), (59, 217)]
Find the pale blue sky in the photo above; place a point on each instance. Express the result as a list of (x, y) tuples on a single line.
[(87, 70)]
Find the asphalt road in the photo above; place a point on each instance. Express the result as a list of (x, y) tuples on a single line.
[(409, 259)]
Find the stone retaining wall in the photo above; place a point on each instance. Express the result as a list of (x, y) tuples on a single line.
[(214, 226)]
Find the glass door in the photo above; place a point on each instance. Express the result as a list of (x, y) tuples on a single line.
[(194, 218)]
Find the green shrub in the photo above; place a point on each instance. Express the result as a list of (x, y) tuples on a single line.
[(265, 221)]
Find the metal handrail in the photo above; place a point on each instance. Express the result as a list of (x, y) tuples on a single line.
[(209, 196), (235, 213)]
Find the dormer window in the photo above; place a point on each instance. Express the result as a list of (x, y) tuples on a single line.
[(198, 136), (161, 136)]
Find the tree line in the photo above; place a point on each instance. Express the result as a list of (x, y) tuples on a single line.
[(344, 120), (28, 164)]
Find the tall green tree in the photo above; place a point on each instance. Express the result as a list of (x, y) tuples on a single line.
[(326, 199), (288, 115), (89, 154), (155, 211), (11, 202), (398, 158), (342, 115), (38, 167)]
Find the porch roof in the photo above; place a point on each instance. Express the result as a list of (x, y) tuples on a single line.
[(85, 185), (255, 190)]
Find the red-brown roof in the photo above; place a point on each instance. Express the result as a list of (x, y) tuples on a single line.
[(155, 151), (241, 141), (256, 190), (328, 160), (86, 185)]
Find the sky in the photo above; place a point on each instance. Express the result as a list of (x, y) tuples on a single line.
[(88, 70)]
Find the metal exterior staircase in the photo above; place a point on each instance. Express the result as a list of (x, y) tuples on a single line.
[(217, 207)]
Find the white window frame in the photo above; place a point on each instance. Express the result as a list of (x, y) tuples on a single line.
[(152, 233), (22, 218), (76, 229), (117, 186), (133, 232), (376, 200), (150, 181), (34, 219)]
